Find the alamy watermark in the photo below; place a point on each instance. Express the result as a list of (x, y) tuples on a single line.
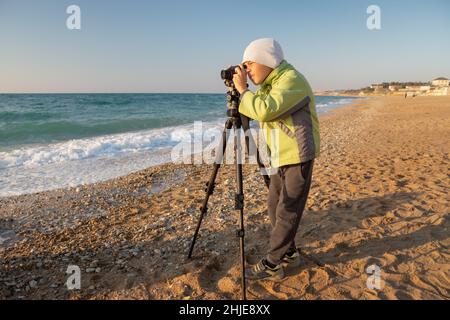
[(207, 147), (73, 22), (74, 280), (374, 20), (374, 281)]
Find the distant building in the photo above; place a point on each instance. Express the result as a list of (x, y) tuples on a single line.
[(436, 87), (394, 87), (418, 88), (441, 91), (440, 82), (377, 86)]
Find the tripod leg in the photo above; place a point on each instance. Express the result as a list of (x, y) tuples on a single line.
[(211, 183), (239, 202), (249, 140)]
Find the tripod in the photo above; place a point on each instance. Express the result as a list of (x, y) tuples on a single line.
[(235, 121)]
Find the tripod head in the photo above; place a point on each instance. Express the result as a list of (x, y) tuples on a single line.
[(233, 97)]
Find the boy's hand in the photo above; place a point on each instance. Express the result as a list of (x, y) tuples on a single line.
[(240, 79)]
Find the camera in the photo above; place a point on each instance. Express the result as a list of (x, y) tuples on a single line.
[(227, 74), (233, 95)]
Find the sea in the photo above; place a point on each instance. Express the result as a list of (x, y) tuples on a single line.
[(51, 141)]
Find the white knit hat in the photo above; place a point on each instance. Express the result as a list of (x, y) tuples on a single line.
[(264, 51)]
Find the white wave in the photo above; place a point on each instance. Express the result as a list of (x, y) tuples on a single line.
[(108, 145), (84, 161), (334, 103)]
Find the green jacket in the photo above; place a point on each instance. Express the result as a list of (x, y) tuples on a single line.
[(285, 107)]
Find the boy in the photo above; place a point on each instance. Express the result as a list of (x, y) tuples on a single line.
[(285, 107)]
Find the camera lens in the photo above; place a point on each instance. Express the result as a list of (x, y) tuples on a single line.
[(227, 74)]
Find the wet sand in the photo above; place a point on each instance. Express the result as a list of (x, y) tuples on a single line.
[(380, 196)]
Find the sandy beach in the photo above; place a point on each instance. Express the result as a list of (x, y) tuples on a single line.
[(380, 196)]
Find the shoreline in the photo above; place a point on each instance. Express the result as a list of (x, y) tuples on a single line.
[(378, 197), (93, 152)]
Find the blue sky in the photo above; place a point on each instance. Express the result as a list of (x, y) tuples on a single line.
[(180, 46)]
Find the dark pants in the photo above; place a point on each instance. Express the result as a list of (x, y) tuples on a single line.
[(288, 193)]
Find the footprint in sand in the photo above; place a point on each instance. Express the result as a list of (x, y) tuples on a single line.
[(402, 183)]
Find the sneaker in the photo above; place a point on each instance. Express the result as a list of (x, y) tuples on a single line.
[(262, 271), (291, 259)]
